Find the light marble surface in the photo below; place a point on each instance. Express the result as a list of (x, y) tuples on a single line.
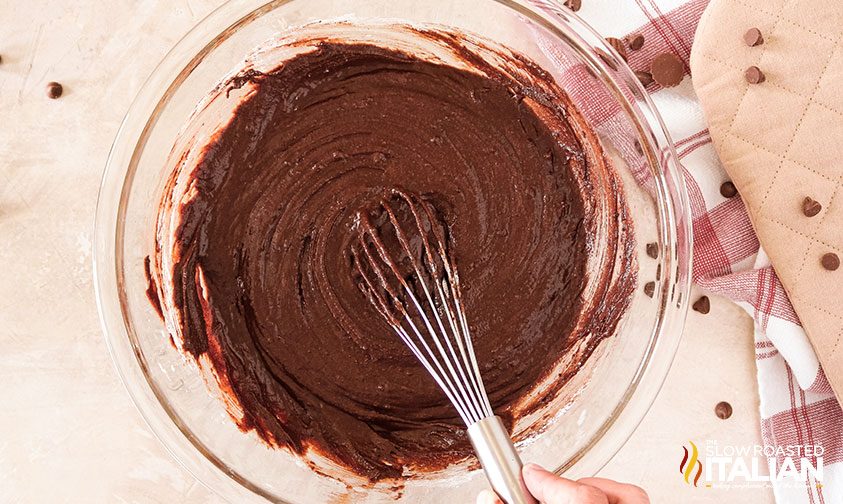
[(69, 431)]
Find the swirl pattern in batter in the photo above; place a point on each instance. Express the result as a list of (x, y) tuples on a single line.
[(263, 283)]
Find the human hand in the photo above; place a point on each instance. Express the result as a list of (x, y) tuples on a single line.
[(549, 488)]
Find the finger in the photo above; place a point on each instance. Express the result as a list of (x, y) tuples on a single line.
[(618, 493), (549, 488), (488, 497)]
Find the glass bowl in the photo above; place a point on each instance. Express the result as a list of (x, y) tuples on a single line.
[(595, 412)]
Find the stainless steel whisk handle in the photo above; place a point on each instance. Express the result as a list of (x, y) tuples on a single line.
[(500, 461)]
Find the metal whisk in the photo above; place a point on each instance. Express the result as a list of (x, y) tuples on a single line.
[(405, 268)]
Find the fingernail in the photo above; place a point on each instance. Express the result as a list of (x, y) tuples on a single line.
[(486, 497), (532, 467)]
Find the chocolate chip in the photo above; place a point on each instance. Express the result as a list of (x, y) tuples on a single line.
[(753, 37), (702, 305), (646, 78), (54, 90), (667, 69), (1, 59), (638, 148), (754, 75), (649, 288), (723, 410), (830, 261), (811, 207), (574, 5), (728, 190), (636, 41), (653, 250), (617, 45)]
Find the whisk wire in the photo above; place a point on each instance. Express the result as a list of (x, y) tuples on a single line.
[(479, 394), (423, 328), (438, 373), (481, 389), (469, 401), (462, 403), (417, 299), (472, 399), (445, 387)]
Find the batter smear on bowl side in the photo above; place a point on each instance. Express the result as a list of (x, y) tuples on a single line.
[(259, 279)]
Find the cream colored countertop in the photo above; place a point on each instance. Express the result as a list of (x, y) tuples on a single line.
[(69, 430)]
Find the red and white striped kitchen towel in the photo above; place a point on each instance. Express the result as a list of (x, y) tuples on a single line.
[(797, 404)]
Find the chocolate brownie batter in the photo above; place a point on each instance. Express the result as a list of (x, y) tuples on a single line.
[(263, 282)]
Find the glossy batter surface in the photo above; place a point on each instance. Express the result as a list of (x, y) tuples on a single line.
[(262, 278)]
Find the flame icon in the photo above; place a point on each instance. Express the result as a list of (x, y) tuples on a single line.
[(689, 463)]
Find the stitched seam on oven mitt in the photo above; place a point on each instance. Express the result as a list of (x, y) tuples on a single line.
[(782, 140)]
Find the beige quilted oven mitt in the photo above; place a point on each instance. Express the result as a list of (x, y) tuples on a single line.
[(778, 129)]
